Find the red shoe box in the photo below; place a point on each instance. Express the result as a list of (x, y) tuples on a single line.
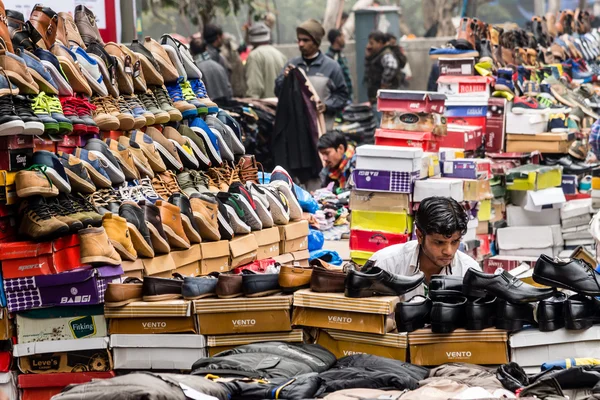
[(466, 137), (74, 140), (114, 135), (373, 241), (410, 101), (44, 386), (44, 143), (24, 259), (495, 127), (424, 140), (16, 142)]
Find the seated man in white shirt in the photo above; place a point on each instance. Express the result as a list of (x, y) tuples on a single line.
[(440, 223)]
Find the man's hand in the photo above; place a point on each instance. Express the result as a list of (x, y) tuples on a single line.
[(321, 107), (287, 69)]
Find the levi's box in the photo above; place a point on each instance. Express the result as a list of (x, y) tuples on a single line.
[(23, 259), (60, 323), (533, 177), (486, 347), (187, 262), (293, 236), (242, 250), (385, 181), (381, 221), (335, 311), (388, 158), (464, 137), (532, 348), (16, 160), (421, 140), (495, 124), (215, 257), (445, 187), (161, 266), (342, 344), (79, 287), (43, 387), (171, 316), (268, 243), (374, 240), (507, 263), (164, 352), (64, 356), (365, 200), (243, 315), (467, 168), (530, 241), (217, 344), (410, 101), (465, 86)]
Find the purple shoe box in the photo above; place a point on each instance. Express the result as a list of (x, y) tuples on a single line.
[(73, 288), (385, 181)]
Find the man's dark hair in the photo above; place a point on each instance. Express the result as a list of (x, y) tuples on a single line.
[(332, 139), (389, 36), (333, 35), (211, 33), (197, 46), (441, 215), (378, 36)]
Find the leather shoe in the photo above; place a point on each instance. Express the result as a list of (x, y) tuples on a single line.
[(481, 313), (159, 289), (377, 282), (571, 274), (448, 313), (581, 312), (513, 317), (326, 278), (445, 285), (293, 277), (504, 286), (229, 286), (199, 287), (550, 312), (413, 314), (259, 285)]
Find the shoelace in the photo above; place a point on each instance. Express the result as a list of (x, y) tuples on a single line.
[(81, 204), (22, 106), (123, 105), (147, 188), (40, 104), (68, 105), (39, 168), (67, 206), (215, 176), (175, 92), (198, 88), (101, 104), (84, 107), (148, 99), (160, 188), (162, 96), (171, 181), (248, 173), (39, 212), (54, 105), (187, 91)]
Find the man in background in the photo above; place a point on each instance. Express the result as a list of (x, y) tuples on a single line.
[(383, 70), (337, 43), (213, 38), (339, 159), (263, 63), (214, 75)]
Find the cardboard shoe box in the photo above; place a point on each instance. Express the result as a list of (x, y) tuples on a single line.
[(342, 344), (486, 347), (161, 266), (293, 236), (215, 257), (163, 352), (187, 262), (533, 177), (446, 187), (243, 315), (385, 181), (388, 158), (133, 269), (43, 387), (299, 258), (335, 311), (217, 344), (362, 200), (64, 356), (242, 250), (171, 316), (268, 243), (530, 241), (399, 223)]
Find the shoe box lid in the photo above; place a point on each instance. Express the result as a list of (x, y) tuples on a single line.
[(519, 216), (134, 269), (216, 249), (529, 143), (393, 222), (369, 150), (389, 158), (242, 304), (447, 187), (188, 256), (164, 341), (576, 208), (457, 66), (374, 241), (467, 168), (243, 250), (60, 379), (533, 177), (464, 137), (539, 200), (337, 301), (16, 250), (368, 200), (161, 265), (240, 339), (293, 230), (397, 138), (385, 181), (529, 237), (143, 309), (59, 346), (464, 85), (267, 236), (410, 101)]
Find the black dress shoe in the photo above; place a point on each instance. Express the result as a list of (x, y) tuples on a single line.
[(504, 286), (481, 313), (513, 317), (259, 285), (159, 289), (413, 314), (377, 282), (570, 166), (572, 274), (448, 313), (445, 285), (581, 312), (549, 313)]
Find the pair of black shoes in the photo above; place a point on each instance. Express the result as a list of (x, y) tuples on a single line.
[(373, 281)]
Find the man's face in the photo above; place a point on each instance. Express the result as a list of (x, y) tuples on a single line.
[(439, 248), (219, 42), (341, 41), (332, 156), (306, 45), (373, 47)]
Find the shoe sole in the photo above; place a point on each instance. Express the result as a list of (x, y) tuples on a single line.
[(99, 180), (116, 175), (294, 207), (225, 225), (99, 260), (159, 243), (58, 180), (280, 215), (202, 296), (189, 114), (122, 252), (38, 191), (223, 147), (175, 115), (230, 296), (33, 128), (214, 153), (555, 284), (80, 185), (249, 214), (64, 89), (262, 294), (76, 80), (203, 158), (360, 293), (238, 147), (44, 85), (12, 128), (126, 121), (189, 230), (24, 86), (122, 303), (162, 117), (175, 241), (207, 231), (168, 156), (162, 297), (139, 243), (188, 160), (239, 226), (263, 213)]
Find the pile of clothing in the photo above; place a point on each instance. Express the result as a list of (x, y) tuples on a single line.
[(357, 123)]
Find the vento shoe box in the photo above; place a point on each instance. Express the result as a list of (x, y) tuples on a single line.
[(293, 236), (215, 257), (217, 344), (187, 262), (531, 348), (171, 316), (342, 344), (43, 387), (486, 347), (61, 323), (268, 243), (64, 356), (362, 200), (164, 352), (243, 315), (242, 250), (335, 311)]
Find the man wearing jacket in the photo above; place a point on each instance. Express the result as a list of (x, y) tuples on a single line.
[(263, 63), (324, 73)]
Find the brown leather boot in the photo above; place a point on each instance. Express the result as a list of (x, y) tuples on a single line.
[(119, 235), (18, 30), (71, 32), (37, 222), (206, 211), (4, 31), (124, 64), (465, 37), (86, 25), (139, 82), (96, 248), (248, 169), (43, 23), (172, 225), (18, 73)]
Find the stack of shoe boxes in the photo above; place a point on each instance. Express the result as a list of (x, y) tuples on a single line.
[(575, 217)]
